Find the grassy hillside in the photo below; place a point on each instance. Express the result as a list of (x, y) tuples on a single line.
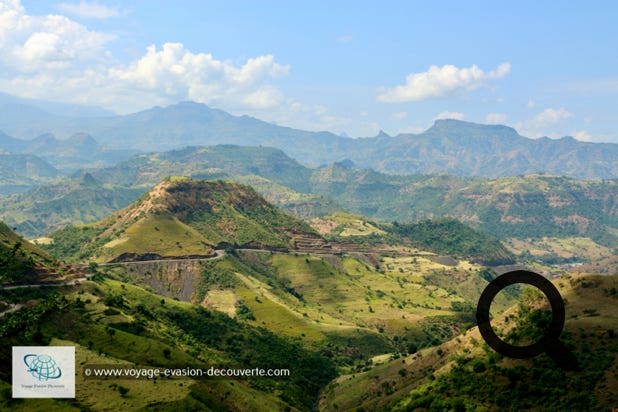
[(443, 236), (112, 323), (181, 217), (344, 303), (449, 236), (465, 374), (23, 262), (521, 207)]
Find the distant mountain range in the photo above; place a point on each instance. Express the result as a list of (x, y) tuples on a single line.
[(20, 172), (533, 206), (449, 146), (78, 151)]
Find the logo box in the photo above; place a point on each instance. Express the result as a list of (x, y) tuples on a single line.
[(43, 372)]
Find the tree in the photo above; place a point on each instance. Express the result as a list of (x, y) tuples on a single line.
[(111, 332), (123, 391)]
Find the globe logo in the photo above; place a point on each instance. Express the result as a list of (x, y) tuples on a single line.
[(42, 367)]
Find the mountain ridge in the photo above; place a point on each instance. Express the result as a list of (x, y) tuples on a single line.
[(449, 146), (532, 206), (181, 217)]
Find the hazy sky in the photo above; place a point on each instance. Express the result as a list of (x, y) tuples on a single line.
[(543, 67)]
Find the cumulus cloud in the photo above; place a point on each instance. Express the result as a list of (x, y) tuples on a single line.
[(496, 118), (550, 122), (89, 10), (583, 135), (178, 73), (550, 117), (441, 81), (450, 115), (54, 57), (43, 43)]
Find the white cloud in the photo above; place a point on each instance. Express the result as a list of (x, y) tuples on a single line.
[(55, 58), (549, 122), (496, 118), (450, 115), (44, 43), (89, 10), (441, 81), (178, 73), (550, 117), (399, 115), (307, 117), (583, 135), (531, 104)]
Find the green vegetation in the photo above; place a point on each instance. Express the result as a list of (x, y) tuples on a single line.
[(21, 261), (387, 323), (531, 206), (82, 200), (141, 329), (181, 217), (449, 236), (442, 236), (78, 243), (465, 374)]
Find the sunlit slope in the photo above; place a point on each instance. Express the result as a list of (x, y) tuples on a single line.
[(114, 323), (465, 373), (181, 218), (396, 305), (24, 262)]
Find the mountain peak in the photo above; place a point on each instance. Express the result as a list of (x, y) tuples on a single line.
[(382, 133), (46, 138), (83, 139), (89, 180), (182, 217)]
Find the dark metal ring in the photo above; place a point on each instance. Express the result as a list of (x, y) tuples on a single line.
[(530, 278)]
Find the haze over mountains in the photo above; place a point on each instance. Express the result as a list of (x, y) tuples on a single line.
[(449, 146)]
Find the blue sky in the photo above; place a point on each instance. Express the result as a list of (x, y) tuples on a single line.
[(545, 68)]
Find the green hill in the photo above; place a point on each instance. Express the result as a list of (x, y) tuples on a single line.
[(443, 236), (451, 237), (465, 374), (181, 217), (376, 302), (22, 262), (94, 194), (526, 208), (48, 208), (113, 323), (523, 206)]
